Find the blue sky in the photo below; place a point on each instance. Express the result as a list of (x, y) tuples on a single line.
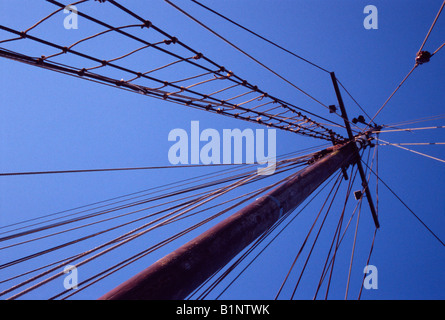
[(50, 121)]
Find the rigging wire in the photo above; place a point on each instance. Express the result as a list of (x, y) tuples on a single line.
[(338, 239), (406, 206), (206, 102), (415, 66), (139, 255), (110, 169), (259, 36), (108, 219), (410, 129), (313, 244), (125, 238), (357, 225), (168, 186), (257, 243), (410, 150), (437, 50), (392, 94), (148, 91), (140, 193), (367, 262), (154, 190), (432, 26), (128, 236), (413, 143), (336, 233), (336, 184), (99, 276), (148, 24), (424, 119), (353, 99), (102, 232), (51, 14), (243, 52), (353, 250)]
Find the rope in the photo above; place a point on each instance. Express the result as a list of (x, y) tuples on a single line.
[(353, 99), (415, 66), (307, 236), (314, 242), (367, 262), (108, 169), (437, 50), (409, 209), (436, 117), (353, 250), (432, 26), (339, 240), (245, 53), (417, 152), (336, 233), (205, 293), (123, 239), (415, 144), (282, 219), (292, 166), (233, 75), (302, 128), (137, 203), (113, 269), (51, 14), (78, 255), (128, 236), (410, 129), (259, 36), (169, 186), (356, 227), (392, 94)]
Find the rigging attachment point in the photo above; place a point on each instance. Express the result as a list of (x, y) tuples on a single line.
[(423, 57), (358, 194), (360, 119)]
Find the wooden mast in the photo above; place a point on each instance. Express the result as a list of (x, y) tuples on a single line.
[(176, 275)]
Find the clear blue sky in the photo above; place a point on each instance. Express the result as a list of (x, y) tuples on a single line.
[(54, 122)]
